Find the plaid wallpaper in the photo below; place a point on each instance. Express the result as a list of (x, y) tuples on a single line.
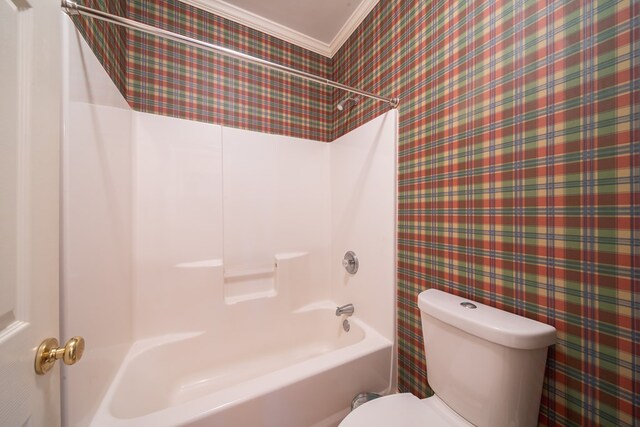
[(108, 42), (519, 159), (163, 77), (519, 179)]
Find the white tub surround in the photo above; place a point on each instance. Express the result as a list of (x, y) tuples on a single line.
[(210, 255), (276, 201), (363, 220), (96, 289), (177, 220)]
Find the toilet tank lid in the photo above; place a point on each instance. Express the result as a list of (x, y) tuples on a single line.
[(488, 323)]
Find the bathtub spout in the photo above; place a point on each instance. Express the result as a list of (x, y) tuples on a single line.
[(345, 309)]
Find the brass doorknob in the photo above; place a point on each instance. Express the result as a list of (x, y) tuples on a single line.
[(49, 352)]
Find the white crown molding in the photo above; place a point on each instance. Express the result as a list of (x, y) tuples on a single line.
[(241, 16), (351, 25), (244, 17)]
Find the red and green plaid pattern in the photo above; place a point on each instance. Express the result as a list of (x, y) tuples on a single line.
[(163, 77), (108, 42), (518, 178), (171, 79)]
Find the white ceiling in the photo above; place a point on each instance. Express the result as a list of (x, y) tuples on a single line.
[(320, 26)]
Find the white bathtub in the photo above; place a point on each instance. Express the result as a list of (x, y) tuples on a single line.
[(299, 370)]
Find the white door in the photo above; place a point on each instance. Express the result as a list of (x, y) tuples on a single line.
[(29, 198)]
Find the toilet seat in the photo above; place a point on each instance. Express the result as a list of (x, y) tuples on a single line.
[(404, 410)]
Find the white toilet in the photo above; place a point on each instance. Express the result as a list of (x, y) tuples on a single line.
[(486, 367)]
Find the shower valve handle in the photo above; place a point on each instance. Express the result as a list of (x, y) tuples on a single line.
[(350, 262)]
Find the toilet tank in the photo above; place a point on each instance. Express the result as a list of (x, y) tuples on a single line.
[(484, 363)]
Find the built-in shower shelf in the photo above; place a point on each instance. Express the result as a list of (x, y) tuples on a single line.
[(248, 272), (249, 283), (249, 296), (207, 263)]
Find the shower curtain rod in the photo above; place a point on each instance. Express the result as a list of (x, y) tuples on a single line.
[(73, 8)]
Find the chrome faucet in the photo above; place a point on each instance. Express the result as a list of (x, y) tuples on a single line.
[(345, 309)]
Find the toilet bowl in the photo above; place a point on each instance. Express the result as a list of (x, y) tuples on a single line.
[(485, 366), (404, 410)]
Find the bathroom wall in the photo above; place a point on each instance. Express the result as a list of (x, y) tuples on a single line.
[(277, 204), (363, 220), (517, 178), (96, 287), (219, 211), (177, 176), (220, 215), (170, 79)]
